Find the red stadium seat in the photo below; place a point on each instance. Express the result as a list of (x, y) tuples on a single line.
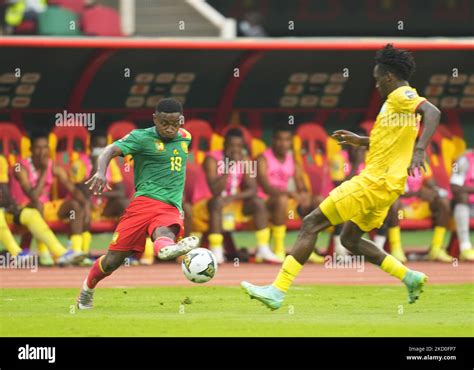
[(13, 144), (367, 126), (202, 140), (27, 27), (69, 139), (67, 144), (201, 132), (440, 161), (101, 21), (118, 130), (77, 6), (311, 150)]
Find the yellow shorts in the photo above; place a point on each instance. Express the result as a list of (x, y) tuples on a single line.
[(201, 215), (51, 209), (360, 200), (417, 210)]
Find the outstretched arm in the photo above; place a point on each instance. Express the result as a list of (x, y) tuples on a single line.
[(99, 180), (431, 116), (347, 137)]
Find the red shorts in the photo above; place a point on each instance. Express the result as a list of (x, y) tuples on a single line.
[(141, 218)]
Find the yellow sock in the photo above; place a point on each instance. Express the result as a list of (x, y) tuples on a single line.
[(76, 242), (215, 240), (42, 248), (279, 233), (438, 237), (6, 236), (394, 267), (86, 241), (263, 237), (32, 219), (394, 237), (289, 270), (148, 252)]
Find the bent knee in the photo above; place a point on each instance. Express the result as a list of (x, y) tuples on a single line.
[(111, 263), (314, 221), (348, 242)]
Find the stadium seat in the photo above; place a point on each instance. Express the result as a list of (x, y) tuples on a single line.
[(203, 139), (116, 131), (311, 148), (13, 144), (101, 20), (55, 21), (202, 133), (441, 157), (27, 27), (76, 6), (68, 139), (69, 148), (367, 126)]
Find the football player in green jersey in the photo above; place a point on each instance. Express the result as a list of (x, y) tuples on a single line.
[(159, 154)]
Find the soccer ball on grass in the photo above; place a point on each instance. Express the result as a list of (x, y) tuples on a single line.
[(199, 265)]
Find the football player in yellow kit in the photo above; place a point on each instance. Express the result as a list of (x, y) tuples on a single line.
[(362, 203)]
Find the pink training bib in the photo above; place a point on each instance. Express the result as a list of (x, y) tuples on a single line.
[(278, 173), (232, 168), (33, 175)]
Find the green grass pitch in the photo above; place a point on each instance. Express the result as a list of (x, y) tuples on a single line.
[(443, 310)]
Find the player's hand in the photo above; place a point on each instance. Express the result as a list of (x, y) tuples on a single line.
[(98, 182), (347, 137), (417, 163)]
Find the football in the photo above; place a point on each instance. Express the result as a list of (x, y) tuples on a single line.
[(199, 265)]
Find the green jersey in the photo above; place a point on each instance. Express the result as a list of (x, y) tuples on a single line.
[(159, 165)]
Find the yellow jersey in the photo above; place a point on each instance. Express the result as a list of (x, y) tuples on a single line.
[(393, 138)]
